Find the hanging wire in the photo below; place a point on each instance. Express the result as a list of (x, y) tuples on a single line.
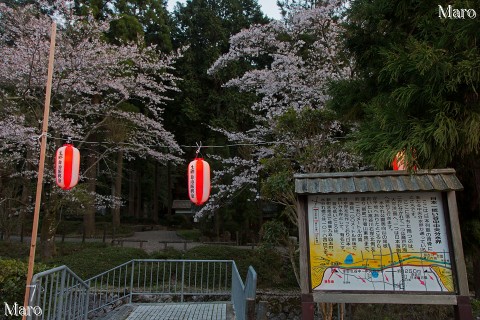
[(198, 149), (197, 145), (243, 144)]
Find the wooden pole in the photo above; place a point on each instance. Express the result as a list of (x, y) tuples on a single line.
[(43, 148)]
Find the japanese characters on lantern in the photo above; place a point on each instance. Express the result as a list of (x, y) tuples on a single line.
[(67, 166), (198, 181)]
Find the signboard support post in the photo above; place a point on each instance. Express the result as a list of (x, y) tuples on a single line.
[(463, 309), (308, 306)]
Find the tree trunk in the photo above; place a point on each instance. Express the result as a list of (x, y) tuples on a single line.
[(89, 216), (49, 223), (217, 225), (138, 202), (47, 234), (2, 207), (118, 189), (169, 189), (131, 194), (26, 190), (156, 191)]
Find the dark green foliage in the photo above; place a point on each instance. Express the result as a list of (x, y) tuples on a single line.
[(89, 260), (125, 28), (134, 21), (13, 278), (205, 27), (317, 146), (153, 18), (263, 261), (14, 250), (417, 82), (274, 233)]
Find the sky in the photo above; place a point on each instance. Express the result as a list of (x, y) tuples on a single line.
[(269, 7)]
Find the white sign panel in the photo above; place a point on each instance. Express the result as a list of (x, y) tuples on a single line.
[(379, 242)]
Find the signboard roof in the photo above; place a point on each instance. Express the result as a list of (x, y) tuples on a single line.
[(377, 181)]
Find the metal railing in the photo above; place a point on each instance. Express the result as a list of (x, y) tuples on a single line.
[(58, 294), (179, 278), (243, 294), (63, 295)]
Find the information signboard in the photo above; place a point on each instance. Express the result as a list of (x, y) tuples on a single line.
[(393, 242)]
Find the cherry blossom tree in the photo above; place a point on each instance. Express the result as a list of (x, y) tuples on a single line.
[(99, 89), (304, 55)]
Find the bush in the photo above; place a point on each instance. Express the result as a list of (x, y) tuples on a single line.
[(14, 250), (89, 260), (169, 253), (13, 278), (263, 261)]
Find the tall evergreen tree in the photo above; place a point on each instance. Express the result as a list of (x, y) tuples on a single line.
[(134, 20), (205, 27)]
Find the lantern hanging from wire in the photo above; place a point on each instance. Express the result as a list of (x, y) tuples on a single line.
[(67, 166), (198, 180)]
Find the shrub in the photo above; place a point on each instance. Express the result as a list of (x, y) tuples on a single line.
[(263, 261), (13, 277), (93, 258)]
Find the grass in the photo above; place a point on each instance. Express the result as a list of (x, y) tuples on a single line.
[(192, 235)]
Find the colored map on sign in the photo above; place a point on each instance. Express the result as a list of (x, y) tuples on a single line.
[(380, 242)]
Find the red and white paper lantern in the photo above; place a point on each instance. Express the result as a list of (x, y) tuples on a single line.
[(399, 161), (67, 166), (198, 181)]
